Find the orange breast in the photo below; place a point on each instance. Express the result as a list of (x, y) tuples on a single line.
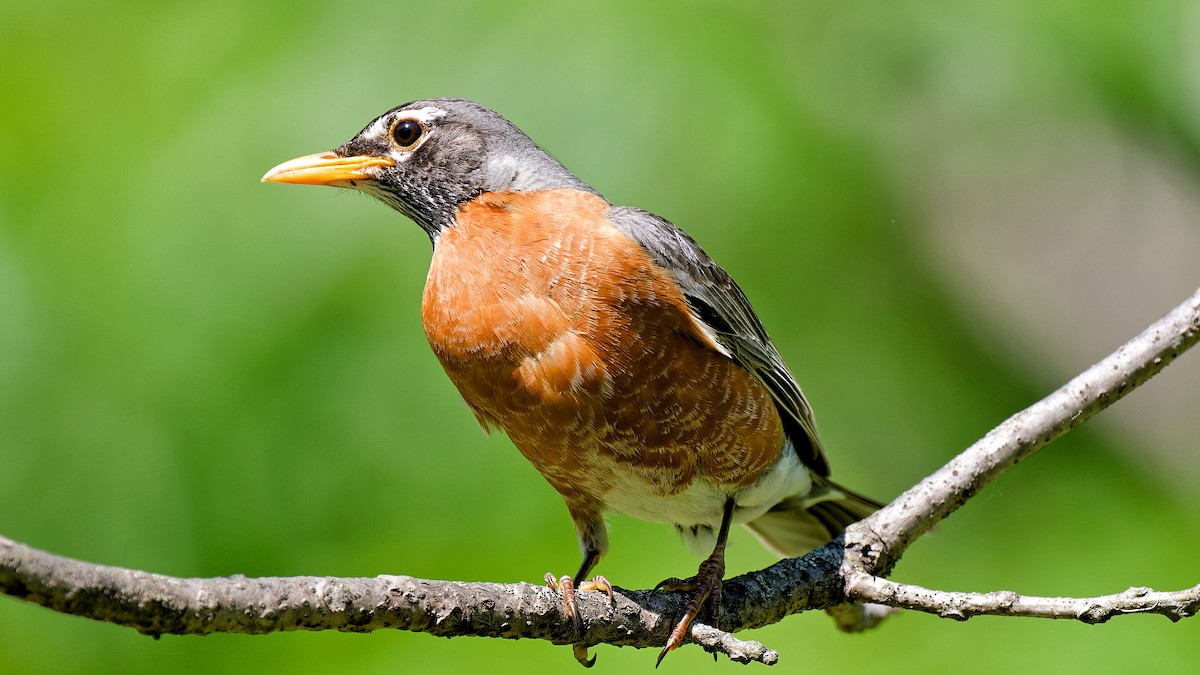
[(561, 330)]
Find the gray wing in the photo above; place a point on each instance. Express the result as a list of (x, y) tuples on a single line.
[(720, 305)]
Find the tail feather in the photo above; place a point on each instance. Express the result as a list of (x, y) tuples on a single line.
[(798, 525)]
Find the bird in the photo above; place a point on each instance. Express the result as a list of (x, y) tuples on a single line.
[(624, 363)]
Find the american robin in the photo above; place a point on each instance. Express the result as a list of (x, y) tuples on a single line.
[(623, 363)]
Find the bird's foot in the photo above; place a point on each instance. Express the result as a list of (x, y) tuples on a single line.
[(705, 588), (566, 586)]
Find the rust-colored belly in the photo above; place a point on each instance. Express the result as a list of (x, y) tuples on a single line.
[(561, 330)]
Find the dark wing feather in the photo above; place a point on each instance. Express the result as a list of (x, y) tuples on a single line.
[(719, 304)]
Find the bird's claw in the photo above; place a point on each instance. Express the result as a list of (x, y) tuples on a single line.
[(566, 586), (581, 655), (705, 588)]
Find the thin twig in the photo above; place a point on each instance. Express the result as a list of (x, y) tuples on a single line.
[(1174, 605)]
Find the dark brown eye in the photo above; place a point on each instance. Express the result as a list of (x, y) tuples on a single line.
[(406, 133)]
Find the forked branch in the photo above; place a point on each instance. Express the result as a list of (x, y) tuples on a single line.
[(852, 570)]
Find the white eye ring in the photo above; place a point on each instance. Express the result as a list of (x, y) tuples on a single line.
[(406, 133)]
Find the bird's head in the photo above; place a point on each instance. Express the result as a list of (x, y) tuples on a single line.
[(427, 158)]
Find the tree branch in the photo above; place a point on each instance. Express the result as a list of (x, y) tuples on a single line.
[(875, 544), (962, 606), (842, 571), (910, 515), (156, 604)]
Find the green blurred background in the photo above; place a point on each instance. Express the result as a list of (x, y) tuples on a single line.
[(941, 211)]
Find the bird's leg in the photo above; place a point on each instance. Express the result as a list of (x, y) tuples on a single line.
[(705, 587), (594, 541)]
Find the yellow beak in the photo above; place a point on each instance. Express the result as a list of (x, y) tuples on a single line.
[(326, 168)]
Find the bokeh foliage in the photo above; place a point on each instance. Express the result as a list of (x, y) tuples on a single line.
[(201, 375)]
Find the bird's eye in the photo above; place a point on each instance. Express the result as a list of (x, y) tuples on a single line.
[(406, 133)]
